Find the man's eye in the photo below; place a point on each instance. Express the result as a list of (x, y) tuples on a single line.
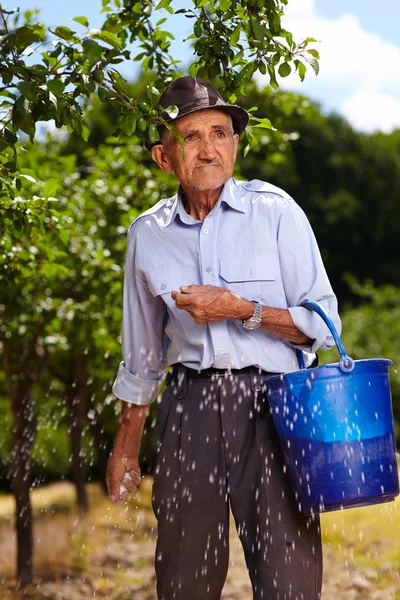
[(220, 134), (189, 138)]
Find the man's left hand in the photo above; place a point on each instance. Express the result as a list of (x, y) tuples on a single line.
[(208, 303)]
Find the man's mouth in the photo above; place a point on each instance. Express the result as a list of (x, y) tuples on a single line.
[(210, 165)]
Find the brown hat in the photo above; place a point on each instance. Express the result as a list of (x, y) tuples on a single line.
[(190, 94)]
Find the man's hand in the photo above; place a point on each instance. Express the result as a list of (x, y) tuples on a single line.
[(123, 471), (123, 477), (211, 303)]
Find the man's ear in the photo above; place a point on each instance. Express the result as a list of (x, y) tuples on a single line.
[(235, 141), (159, 156)]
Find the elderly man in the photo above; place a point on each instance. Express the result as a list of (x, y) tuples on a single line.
[(214, 279)]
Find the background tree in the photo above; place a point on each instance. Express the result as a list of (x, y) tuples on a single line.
[(66, 204)]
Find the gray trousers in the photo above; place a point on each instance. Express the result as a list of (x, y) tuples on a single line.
[(218, 448)]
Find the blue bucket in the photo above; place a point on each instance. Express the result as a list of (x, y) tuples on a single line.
[(335, 425)]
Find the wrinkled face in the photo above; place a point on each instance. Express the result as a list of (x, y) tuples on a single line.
[(209, 153)]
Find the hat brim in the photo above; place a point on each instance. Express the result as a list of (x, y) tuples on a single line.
[(240, 118)]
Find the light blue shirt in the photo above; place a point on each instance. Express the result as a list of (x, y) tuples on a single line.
[(257, 242)]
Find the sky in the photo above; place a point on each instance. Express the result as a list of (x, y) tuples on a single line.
[(358, 40)]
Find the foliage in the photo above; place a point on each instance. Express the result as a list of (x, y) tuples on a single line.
[(69, 300), (233, 39), (372, 330), (348, 183)]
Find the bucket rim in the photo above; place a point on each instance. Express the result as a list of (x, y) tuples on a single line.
[(281, 376)]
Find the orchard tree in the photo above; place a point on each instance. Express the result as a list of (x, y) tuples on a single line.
[(47, 74)]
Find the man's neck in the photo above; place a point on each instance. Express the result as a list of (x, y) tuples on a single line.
[(198, 203)]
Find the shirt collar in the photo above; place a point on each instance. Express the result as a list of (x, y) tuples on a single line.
[(229, 195)]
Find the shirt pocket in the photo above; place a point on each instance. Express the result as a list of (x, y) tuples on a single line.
[(165, 280), (254, 278)]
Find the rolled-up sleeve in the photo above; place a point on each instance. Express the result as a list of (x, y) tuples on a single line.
[(142, 372), (304, 278)]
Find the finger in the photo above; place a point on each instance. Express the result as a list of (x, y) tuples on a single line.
[(175, 295), (128, 484), (135, 476), (114, 490), (188, 289), (123, 491)]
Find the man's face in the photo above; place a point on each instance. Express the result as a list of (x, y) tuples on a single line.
[(209, 152)]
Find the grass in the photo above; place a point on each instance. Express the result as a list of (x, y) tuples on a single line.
[(368, 536), (71, 548)]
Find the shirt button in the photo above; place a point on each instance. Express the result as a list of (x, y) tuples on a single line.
[(208, 270), (163, 286), (206, 231), (221, 350)]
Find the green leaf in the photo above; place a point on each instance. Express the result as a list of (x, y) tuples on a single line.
[(25, 36), (262, 67), (314, 63), (82, 20), (50, 188), (163, 4), (152, 93), (10, 136), (172, 111), (258, 29), (284, 69), (194, 69), (7, 77), (272, 77), (110, 38), (224, 5), (92, 49), (27, 177), (301, 68), (314, 53), (262, 123), (64, 236), (234, 38), (85, 131), (64, 32), (56, 86), (128, 123), (154, 136), (252, 142), (274, 22), (28, 90)]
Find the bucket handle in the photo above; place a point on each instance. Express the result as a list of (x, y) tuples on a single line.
[(346, 363)]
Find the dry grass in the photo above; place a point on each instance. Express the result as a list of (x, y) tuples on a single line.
[(109, 552)]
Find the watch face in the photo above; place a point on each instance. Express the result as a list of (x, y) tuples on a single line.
[(255, 320)]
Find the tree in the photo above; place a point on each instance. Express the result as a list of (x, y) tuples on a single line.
[(233, 39), (372, 330)]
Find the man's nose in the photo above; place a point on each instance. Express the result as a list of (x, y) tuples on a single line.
[(206, 149)]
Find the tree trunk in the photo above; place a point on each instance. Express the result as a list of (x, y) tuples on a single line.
[(24, 429), (102, 446), (76, 398)]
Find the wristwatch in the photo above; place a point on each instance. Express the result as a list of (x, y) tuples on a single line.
[(255, 320)]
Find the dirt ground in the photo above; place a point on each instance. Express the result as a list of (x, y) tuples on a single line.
[(110, 554)]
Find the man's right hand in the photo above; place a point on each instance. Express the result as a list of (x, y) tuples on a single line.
[(123, 476), (123, 471)]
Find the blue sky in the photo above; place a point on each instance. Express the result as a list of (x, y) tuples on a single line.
[(359, 46)]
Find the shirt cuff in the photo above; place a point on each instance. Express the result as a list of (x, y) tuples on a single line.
[(313, 326), (134, 389)]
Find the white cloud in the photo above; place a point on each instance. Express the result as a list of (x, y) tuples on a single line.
[(361, 66), (368, 111)]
